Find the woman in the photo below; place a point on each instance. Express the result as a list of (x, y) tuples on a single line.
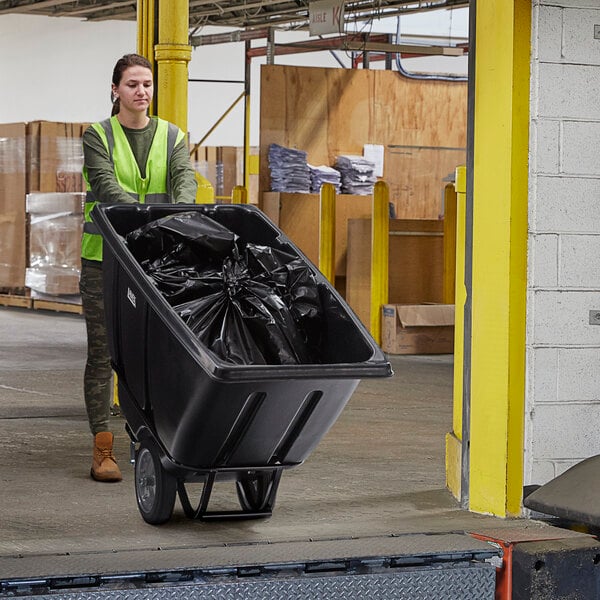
[(129, 157)]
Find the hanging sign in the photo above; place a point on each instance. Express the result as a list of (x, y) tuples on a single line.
[(326, 16)]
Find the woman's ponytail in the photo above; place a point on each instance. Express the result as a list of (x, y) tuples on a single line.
[(116, 105)]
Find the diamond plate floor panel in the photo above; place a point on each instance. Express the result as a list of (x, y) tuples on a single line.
[(451, 582), (406, 566)]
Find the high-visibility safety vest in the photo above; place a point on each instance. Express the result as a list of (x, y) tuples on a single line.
[(152, 189)]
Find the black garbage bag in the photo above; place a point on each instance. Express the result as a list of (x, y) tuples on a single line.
[(249, 304), (245, 322), (189, 236), (181, 283), (295, 283)]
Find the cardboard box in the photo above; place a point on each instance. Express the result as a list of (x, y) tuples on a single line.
[(418, 328), (13, 231), (55, 230), (52, 281), (55, 156)]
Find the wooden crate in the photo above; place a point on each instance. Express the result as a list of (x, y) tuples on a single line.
[(416, 263), (297, 215)]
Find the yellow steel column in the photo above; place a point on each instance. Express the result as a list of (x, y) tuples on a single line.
[(145, 29), (172, 54), (499, 238), (327, 231), (454, 438), (380, 239)]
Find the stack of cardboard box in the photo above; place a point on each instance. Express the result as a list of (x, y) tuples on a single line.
[(13, 174), (37, 158), (55, 228)]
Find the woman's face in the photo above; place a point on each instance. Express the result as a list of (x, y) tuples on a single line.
[(135, 90)]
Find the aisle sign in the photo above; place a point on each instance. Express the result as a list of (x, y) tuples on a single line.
[(326, 16)]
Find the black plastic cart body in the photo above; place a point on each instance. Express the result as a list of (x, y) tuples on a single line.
[(193, 417)]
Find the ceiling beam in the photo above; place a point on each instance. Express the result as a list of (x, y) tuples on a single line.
[(82, 10), (34, 6)]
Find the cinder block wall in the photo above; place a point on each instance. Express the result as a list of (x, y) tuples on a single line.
[(563, 348)]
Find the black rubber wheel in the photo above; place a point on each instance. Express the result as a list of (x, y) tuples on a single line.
[(253, 489), (155, 488)]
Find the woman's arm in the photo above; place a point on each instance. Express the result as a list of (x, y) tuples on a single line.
[(183, 176)]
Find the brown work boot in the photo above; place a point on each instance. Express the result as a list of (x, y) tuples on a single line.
[(104, 465)]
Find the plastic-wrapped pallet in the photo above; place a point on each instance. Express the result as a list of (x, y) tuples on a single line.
[(55, 229)]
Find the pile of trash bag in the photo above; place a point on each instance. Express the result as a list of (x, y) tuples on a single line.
[(247, 303)]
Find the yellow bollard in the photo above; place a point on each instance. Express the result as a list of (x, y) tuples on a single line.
[(115, 408), (115, 390), (239, 195), (454, 438), (380, 237), (205, 194), (450, 207), (327, 232)]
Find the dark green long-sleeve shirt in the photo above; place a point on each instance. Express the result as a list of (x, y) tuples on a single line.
[(101, 174)]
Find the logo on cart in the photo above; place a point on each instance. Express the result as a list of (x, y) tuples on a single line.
[(131, 297)]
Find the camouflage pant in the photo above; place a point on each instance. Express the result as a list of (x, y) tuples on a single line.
[(97, 379)]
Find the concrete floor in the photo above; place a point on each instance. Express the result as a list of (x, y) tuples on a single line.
[(378, 472)]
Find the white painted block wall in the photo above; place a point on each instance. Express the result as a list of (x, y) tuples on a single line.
[(563, 349)]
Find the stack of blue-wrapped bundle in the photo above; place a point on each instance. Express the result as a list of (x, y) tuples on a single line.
[(289, 169), (357, 174), (324, 174)]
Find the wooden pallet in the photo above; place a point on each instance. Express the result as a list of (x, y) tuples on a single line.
[(57, 306), (15, 300)]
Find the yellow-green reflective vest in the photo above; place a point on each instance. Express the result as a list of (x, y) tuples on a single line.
[(152, 189)]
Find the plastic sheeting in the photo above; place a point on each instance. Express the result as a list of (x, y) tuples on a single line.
[(247, 303)]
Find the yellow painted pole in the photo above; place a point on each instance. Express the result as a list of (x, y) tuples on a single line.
[(145, 30), (239, 195), (172, 54), (454, 438), (499, 255), (327, 231), (141, 26), (380, 234)]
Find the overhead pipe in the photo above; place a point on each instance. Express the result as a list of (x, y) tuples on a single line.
[(421, 76), (378, 43), (298, 14), (230, 37)]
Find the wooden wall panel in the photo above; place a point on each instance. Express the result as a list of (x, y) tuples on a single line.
[(416, 264), (327, 112)]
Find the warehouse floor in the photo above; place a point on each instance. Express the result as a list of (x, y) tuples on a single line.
[(378, 472)]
